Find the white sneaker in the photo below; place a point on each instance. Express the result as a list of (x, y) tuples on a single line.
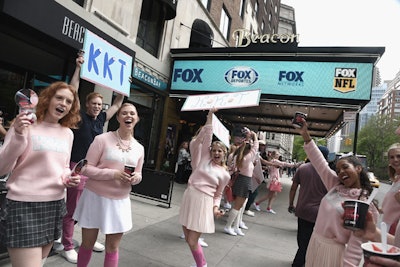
[(98, 247), (70, 255), (238, 231), (229, 231), (227, 206), (182, 236), (271, 211), (257, 207), (202, 243), (243, 225), (249, 213)]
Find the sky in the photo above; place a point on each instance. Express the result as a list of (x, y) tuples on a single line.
[(370, 23)]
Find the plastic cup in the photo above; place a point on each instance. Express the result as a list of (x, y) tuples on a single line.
[(297, 119), (355, 212), (129, 169), (375, 249)]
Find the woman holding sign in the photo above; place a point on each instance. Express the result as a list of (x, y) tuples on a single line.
[(202, 197)]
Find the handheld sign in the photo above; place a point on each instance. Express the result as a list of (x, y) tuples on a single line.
[(105, 64), (222, 100), (220, 131)]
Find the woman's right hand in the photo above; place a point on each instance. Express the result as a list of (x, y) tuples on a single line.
[(122, 176), (22, 122)]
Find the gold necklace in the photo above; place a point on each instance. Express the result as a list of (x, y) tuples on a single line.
[(121, 145)]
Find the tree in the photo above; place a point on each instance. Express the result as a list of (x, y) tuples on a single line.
[(374, 140)]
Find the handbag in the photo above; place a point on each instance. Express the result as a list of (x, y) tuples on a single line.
[(275, 186), (228, 188)]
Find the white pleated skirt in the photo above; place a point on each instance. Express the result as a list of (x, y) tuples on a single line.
[(196, 212), (110, 216)]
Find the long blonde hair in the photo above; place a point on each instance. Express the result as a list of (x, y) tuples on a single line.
[(224, 148), (391, 170)]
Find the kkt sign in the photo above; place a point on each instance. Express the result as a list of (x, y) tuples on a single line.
[(105, 64), (345, 79)]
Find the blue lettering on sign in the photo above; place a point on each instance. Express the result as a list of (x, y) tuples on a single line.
[(107, 62), (241, 76), (291, 76), (188, 75)]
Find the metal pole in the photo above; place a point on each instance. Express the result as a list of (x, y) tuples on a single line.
[(356, 134)]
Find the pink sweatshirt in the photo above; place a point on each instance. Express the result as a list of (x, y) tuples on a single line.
[(39, 161), (329, 219), (206, 176), (274, 170), (390, 206), (104, 159)]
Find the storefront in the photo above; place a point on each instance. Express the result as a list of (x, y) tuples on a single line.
[(40, 41)]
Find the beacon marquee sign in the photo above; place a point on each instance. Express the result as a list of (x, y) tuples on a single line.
[(244, 38)]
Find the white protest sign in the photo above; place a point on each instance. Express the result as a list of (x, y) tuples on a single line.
[(222, 100), (220, 131), (105, 64)]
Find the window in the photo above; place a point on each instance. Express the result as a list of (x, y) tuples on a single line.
[(205, 4), (150, 27), (242, 8), (225, 23)]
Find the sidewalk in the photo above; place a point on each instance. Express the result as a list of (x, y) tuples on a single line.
[(155, 238)]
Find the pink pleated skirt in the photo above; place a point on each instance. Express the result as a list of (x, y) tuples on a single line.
[(325, 252), (196, 212)]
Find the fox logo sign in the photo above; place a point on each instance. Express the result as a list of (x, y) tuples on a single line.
[(345, 79)]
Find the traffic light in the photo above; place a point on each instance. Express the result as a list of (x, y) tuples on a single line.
[(348, 142)]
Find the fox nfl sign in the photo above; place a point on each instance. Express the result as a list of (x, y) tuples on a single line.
[(345, 79)]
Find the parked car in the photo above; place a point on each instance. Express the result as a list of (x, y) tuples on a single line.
[(373, 180)]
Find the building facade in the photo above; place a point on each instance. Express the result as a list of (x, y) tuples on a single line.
[(40, 40)]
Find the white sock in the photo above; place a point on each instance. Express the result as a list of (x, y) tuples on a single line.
[(231, 218)]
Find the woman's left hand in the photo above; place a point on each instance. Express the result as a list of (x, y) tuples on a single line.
[(134, 178), (218, 213), (73, 181)]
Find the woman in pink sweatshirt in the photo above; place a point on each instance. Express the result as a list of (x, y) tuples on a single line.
[(390, 206), (37, 155), (105, 204), (274, 166), (332, 245), (202, 197), (242, 162)]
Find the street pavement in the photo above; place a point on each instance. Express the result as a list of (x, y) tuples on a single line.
[(155, 239)]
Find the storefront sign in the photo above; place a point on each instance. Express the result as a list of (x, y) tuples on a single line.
[(149, 79), (220, 131), (53, 19), (105, 64), (244, 38), (222, 101), (334, 80)]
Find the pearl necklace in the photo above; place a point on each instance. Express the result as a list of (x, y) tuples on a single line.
[(121, 145)]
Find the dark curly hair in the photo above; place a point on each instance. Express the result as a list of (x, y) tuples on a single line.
[(364, 180)]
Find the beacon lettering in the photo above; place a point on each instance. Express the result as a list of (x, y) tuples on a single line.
[(241, 76)]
